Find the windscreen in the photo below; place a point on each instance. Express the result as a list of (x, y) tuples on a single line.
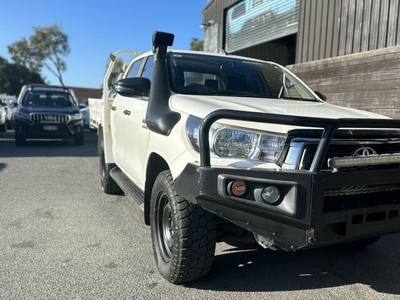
[(198, 74), (48, 99)]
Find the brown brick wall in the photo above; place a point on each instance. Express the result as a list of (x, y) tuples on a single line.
[(367, 80), (86, 93)]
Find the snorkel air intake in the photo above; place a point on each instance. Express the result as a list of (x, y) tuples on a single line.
[(159, 117)]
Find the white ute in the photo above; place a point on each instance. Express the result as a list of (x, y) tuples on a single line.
[(216, 147)]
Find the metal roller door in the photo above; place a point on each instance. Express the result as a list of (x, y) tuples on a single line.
[(252, 22)]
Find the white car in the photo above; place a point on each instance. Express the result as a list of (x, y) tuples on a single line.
[(4, 115), (84, 108), (213, 146)]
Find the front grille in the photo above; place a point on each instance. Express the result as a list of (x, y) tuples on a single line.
[(355, 197), (50, 118), (340, 150), (357, 190)]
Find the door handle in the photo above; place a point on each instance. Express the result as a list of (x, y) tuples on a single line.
[(113, 108), (127, 112)]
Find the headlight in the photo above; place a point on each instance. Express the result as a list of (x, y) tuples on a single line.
[(237, 142), (76, 116), (229, 142), (21, 115)]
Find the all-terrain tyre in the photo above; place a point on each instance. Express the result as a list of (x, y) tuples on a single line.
[(108, 185), (183, 234)]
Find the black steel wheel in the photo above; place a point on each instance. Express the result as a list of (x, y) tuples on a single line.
[(183, 234), (108, 185)]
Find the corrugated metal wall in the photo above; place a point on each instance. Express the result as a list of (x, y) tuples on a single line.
[(330, 28), (214, 20)]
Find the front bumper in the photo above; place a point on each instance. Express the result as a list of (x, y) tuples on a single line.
[(309, 215), (48, 130), (317, 208)]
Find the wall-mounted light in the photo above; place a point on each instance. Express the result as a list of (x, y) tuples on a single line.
[(208, 24)]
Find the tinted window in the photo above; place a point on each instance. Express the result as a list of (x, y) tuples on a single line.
[(228, 76), (48, 99)]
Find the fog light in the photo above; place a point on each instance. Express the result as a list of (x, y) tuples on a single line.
[(270, 194), (237, 188)]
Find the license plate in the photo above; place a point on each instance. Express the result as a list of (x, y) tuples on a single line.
[(50, 128)]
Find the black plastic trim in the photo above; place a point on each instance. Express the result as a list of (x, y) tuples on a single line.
[(130, 188), (159, 116)]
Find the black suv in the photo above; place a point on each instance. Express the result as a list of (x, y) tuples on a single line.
[(48, 112)]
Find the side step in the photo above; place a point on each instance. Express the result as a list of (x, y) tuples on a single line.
[(130, 189)]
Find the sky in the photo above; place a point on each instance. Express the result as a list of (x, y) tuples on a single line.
[(97, 28)]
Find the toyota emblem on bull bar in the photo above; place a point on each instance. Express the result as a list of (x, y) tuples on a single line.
[(364, 151)]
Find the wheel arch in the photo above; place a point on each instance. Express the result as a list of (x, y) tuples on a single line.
[(155, 165)]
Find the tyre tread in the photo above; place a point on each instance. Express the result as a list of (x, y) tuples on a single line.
[(194, 252)]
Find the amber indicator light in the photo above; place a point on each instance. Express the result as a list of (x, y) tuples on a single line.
[(238, 188)]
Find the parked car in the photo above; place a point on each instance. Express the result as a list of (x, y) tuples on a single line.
[(12, 105), (3, 115), (50, 112), (84, 108)]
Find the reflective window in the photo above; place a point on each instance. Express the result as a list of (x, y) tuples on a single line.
[(229, 76), (48, 99)]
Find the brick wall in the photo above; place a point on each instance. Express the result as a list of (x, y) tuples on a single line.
[(367, 80), (86, 93)]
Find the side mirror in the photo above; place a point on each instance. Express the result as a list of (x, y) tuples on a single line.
[(320, 95), (131, 87)]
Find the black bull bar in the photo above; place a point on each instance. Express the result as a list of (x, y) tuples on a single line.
[(308, 222)]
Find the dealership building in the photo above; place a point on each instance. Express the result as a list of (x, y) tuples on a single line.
[(348, 50)]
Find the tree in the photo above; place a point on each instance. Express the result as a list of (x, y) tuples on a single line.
[(44, 48), (14, 76), (196, 44)]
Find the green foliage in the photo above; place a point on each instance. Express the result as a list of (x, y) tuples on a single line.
[(14, 76), (196, 44), (44, 48)]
